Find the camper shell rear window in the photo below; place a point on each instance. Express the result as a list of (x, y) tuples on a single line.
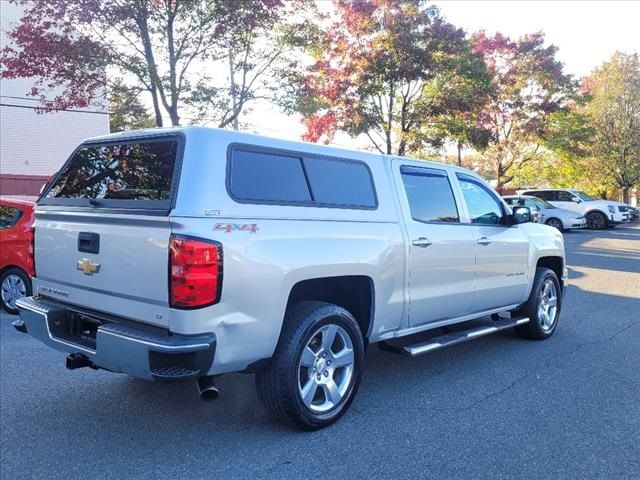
[(131, 174)]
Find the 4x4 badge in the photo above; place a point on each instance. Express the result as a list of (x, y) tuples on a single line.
[(88, 267), (229, 227)]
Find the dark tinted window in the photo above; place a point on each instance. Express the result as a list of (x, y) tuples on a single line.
[(562, 196), (336, 182), (547, 195), (9, 216), (128, 171), (263, 176), (429, 194), (482, 204)]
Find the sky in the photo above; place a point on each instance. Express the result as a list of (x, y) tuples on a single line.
[(586, 32)]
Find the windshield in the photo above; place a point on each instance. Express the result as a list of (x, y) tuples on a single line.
[(583, 196), (541, 203)]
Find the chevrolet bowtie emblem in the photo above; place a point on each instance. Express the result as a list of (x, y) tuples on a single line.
[(88, 267)]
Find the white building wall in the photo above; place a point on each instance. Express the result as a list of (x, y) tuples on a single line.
[(37, 143)]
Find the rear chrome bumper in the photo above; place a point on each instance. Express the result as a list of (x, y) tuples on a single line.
[(143, 352)]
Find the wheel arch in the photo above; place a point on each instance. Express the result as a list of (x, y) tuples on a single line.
[(18, 267), (597, 210), (555, 263), (546, 222), (354, 293)]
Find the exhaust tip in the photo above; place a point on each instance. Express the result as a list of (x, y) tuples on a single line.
[(208, 390)]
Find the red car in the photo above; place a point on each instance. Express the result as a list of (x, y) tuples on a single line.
[(16, 251)]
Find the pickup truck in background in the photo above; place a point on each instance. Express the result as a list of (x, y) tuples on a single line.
[(188, 253)]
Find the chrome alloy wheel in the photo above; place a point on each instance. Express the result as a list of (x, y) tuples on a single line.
[(12, 289), (325, 368), (548, 305)]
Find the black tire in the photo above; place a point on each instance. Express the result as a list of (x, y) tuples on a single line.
[(555, 223), (537, 328), (597, 221), (4, 297), (279, 385)]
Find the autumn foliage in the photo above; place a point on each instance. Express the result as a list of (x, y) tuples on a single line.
[(393, 73), (79, 48), (527, 86), (387, 69)]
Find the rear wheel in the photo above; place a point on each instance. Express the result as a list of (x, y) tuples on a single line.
[(542, 307), (596, 221), (14, 284), (316, 369), (555, 223)]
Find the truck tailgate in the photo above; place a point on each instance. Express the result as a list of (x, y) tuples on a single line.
[(117, 264)]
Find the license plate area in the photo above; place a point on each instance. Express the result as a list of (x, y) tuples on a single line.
[(76, 328)]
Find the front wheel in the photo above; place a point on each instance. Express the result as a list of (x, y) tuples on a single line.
[(316, 369), (542, 307), (555, 223), (596, 221)]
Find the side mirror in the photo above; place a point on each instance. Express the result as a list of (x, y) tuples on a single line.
[(575, 199), (520, 215)]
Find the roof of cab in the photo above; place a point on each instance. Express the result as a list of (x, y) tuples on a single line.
[(262, 140)]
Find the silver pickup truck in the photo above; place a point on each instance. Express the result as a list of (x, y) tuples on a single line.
[(188, 253)]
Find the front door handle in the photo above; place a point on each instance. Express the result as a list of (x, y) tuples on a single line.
[(483, 241), (421, 242)]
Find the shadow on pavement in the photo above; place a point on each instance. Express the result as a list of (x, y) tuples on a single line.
[(593, 249)]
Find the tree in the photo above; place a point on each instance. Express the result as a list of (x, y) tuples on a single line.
[(613, 113), (390, 70), (164, 47), (126, 112), (528, 86)]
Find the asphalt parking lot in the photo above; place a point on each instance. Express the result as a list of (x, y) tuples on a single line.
[(499, 407)]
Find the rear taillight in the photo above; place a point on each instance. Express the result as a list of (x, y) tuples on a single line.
[(31, 251), (195, 272)]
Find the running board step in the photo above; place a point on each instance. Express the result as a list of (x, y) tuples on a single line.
[(454, 338)]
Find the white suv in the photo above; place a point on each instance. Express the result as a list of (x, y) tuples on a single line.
[(599, 213)]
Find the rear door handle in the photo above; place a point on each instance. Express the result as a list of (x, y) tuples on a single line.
[(421, 242), (483, 241)]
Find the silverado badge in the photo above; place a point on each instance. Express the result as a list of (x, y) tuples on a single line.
[(88, 267)]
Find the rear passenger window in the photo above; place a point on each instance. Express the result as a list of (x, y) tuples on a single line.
[(266, 177), (262, 176), (547, 195), (429, 194), (9, 216), (338, 182), (562, 196)]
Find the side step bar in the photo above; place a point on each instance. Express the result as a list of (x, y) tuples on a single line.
[(453, 338)]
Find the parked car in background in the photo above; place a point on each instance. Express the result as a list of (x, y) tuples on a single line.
[(599, 213), (559, 218), (16, 251), (634, 213)]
